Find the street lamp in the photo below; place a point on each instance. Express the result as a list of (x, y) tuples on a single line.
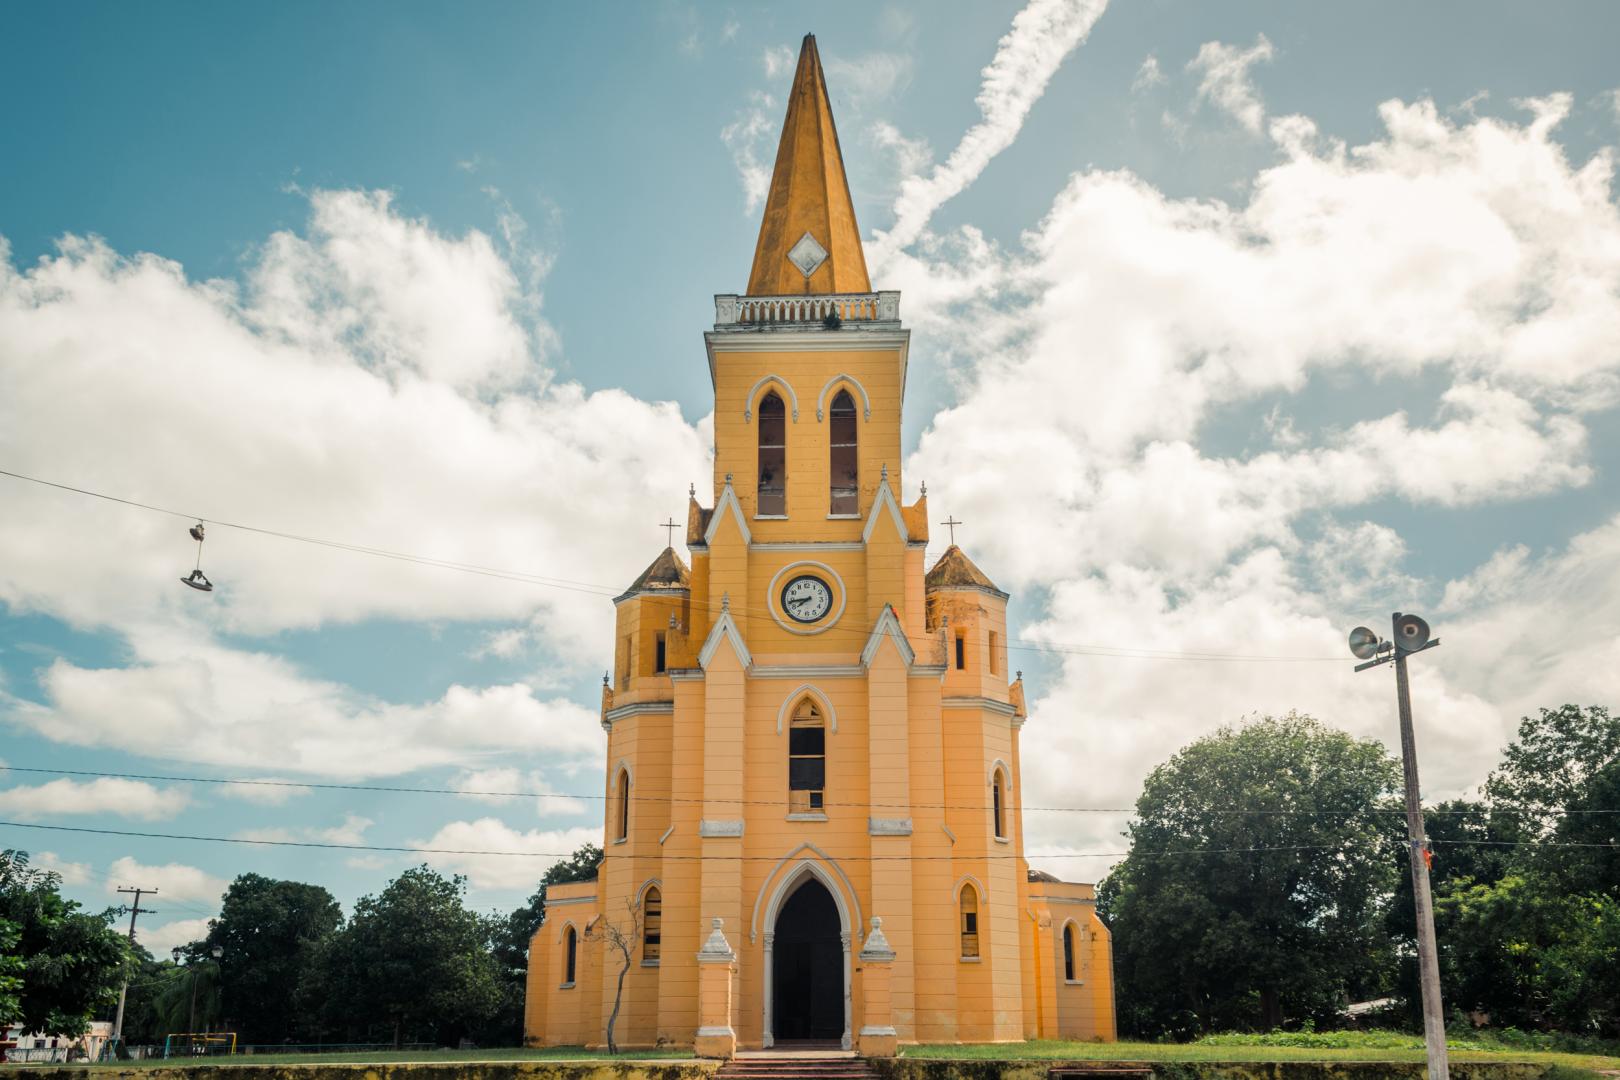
[(191, 1025), (1410, 634)]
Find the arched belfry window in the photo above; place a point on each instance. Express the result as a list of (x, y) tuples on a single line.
[(998, 802), (842, 438), (1068, 952), (570, 955), (807, 759), (623, 824), (772, 457), (652, 926), (970, 922)]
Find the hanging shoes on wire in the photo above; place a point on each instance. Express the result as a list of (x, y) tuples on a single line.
[(197, 579)]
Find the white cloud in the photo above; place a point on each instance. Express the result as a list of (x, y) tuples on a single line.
[(478, 784), (173, 881), (104, 795), (225, 705), (748, 137), (1042, 35), (1225, 80), (304, 402), (278, 793), (1148, 75), (352, 831), (778, 61), (870, 78), (73, 873), (159, 940), (504, 871), (911, 156)]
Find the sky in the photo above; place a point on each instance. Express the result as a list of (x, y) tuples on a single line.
[(1234, 326)]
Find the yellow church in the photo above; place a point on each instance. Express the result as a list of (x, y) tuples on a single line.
[(814, 830)]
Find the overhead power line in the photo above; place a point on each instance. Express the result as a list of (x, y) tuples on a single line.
[(413, 850), (396, 789), (590, 588)]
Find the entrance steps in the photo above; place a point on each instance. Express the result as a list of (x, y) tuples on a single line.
[(835, 1065)]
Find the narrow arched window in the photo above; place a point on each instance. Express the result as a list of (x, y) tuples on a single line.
[(970, 922), (998, 804), (772, 457), (807, 760), (652, 926), (570, 955), (1068, 951), (844, 471), (624, 805)]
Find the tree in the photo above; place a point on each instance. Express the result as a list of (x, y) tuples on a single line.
[(1261, 859), (413, 959), (517, 929), (267, 931), (622, 938), (71, 962)]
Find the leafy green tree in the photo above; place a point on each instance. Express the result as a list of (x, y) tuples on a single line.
[(267, 931), (1561, 778), (71, 962), (512, 937), (1261, 860), (1531, 954), (412, 961)]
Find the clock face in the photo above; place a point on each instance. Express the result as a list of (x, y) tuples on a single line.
[(806, 598)]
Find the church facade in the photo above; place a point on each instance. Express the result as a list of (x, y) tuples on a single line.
[(813, 826)]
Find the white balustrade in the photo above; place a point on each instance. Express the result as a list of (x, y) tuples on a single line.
[(754, 311)]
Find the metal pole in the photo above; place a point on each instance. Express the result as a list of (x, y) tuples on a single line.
[(191, 1025), (1434, 1022)]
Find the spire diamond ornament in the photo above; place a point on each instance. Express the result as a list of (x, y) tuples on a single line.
[(807, 255)]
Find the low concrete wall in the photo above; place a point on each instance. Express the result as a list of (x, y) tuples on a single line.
[(425, 1070), (943, 1069)]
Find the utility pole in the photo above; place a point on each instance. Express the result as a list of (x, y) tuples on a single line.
[(134, 910), (1410, 634)]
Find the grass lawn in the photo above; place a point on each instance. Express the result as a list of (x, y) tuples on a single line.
[(1127, 1051), (383, 1057)]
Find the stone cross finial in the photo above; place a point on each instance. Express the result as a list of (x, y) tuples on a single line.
[(951, 523)]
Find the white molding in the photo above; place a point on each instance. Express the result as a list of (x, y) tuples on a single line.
[(866, 399), (563, 901), (650, 883), (793, 697), (725, 629), (772, 600), (808, 868), (888, 625), (884, 498), (807, 671), (808, 545), (685, 674), (638, 708), (1091, 902), (753, 930), (667, 831), (562, 932), (623, 767), (720, 828), (728, 499), (753, 394), (956, 892), (878, 1031), (877, 826), (991, 704), (942, 825), (990, 777)]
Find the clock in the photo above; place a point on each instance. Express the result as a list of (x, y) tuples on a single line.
[(806, 598)]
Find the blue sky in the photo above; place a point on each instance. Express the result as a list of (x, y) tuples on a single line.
[(1231, 352)]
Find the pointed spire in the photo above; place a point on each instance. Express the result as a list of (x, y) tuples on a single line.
[(809, 194)]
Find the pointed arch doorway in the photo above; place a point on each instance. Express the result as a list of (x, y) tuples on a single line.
[(807, 965)]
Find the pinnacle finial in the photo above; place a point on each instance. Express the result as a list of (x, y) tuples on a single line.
[(604, 678), (725, 603), (924, 491), (728, 479), (885, 476), (691, 491)]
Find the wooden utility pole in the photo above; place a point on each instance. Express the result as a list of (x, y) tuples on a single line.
[(1434, 1021), (134, 910)]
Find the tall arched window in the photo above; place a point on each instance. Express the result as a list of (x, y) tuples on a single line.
[(970, 922), (570, 955), (623, 808), (772, 457), (807, 759), (998, 803), (1068, 951), (652, 926), (845, 474)]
